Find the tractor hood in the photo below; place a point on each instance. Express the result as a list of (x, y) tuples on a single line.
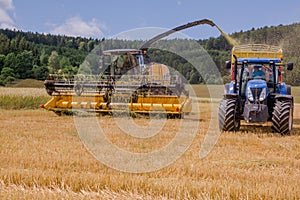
[(256, 91), (257, 84)]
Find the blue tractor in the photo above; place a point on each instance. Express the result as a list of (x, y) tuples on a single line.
[(256, 92)]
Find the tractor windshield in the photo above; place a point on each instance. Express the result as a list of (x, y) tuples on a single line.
[(257, 72)]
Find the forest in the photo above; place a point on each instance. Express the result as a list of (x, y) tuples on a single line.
[(26, 55)]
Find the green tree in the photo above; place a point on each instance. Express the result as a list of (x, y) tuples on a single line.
[(7, 75), (4, 44), (53, 62), (10, 61), (2, 60), (82, 46), (66, 67), (195, 77), (90, 45), (69, 70), (40, 72), (44, 57), (64, 62), (23, 44), (24, 65)]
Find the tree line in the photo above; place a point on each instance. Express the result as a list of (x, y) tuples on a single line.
[(32, 55)]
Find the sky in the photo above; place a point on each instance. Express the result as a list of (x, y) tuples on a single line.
[(98, 19)]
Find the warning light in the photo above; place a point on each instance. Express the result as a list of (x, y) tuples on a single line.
[(281, 57)]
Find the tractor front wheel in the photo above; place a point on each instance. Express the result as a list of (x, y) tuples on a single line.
[(282, 119), (227, 115)]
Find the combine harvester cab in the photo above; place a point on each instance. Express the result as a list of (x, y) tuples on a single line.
[(256, 92), (127, 85)]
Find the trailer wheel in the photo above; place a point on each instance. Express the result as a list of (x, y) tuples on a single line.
[(282, 119), (227, 115)]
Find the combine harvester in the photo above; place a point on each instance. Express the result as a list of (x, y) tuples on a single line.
[(127, 85), (256, 92)]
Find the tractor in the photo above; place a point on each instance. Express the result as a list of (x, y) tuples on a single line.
[(256, 93)]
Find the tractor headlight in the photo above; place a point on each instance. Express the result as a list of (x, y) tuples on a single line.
[(250, 95), (263, 94)]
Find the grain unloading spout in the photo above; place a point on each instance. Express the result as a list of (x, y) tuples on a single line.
[(146, 45)]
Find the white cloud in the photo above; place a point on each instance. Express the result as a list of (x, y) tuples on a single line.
[(75, 26), (6, 21), (6, 4)]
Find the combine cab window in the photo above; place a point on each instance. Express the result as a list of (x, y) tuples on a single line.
[(123, 63)]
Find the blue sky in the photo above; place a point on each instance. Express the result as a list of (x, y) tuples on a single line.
[(98, 19)]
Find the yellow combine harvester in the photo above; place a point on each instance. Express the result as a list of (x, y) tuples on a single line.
[(128, 84)]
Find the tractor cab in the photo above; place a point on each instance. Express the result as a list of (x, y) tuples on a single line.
[(251, 73), (268, 70)]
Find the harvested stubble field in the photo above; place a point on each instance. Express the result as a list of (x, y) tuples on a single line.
[(42, 157)]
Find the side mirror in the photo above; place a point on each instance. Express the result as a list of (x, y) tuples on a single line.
[(228, 65), (290, 66)]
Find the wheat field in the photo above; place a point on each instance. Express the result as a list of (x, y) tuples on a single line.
[(42, 157)]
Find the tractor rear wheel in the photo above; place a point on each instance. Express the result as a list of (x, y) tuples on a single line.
[(282, 119), (227, 115)]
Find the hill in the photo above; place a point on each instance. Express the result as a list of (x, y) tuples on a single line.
[(30, 55)]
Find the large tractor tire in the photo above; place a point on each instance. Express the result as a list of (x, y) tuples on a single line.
[(282, 119), (227, 115)]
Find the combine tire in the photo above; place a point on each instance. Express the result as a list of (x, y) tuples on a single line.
[(227, 115), (282, 119)]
